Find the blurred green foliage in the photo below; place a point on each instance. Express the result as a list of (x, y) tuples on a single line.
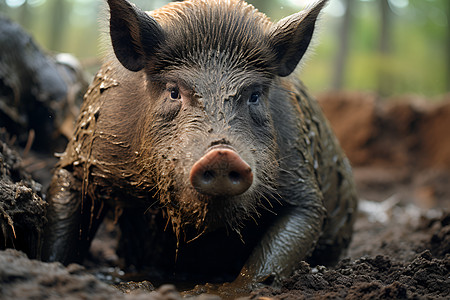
[(417, 60)]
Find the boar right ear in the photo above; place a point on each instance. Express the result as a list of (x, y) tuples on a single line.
[(134, 34), (291, 36)]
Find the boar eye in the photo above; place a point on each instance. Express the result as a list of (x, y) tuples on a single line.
[(254, 98), (174, 94)]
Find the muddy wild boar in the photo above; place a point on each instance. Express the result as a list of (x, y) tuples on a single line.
[(196, 133)]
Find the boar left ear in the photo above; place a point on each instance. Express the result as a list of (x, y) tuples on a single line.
[(134, 34), (291, 36)]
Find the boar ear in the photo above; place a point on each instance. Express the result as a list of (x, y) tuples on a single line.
[(134, 34), (290, 37)]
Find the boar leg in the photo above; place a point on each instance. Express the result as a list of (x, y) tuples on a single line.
[(287, 242), (71, 225)]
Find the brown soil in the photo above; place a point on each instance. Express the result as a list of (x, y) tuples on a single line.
[(386, 261), (22, 210), (400, 150)]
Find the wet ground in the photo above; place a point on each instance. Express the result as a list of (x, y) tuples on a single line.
[(401, 244)]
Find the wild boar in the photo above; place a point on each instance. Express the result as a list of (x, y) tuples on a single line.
[(196, 132)]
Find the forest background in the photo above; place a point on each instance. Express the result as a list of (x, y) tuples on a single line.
[(391, 47)]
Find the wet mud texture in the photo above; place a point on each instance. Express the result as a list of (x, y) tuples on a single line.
[(401, 244), (404, 263), (22, 209), (39, 93), (403, 269)]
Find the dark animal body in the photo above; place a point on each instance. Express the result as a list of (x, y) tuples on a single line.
[(216, 161)]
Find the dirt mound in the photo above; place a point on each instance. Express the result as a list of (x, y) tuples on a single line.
[(22, 210), (39, 93), (399, 148), (368, 278), (22, 278), (404, 270), (397, 132), (434, 135), (400, 262)]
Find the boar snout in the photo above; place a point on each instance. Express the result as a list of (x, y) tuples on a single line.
[(221, 172)]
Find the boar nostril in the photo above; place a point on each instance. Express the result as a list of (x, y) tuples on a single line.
[(208, 177), (234, 177)]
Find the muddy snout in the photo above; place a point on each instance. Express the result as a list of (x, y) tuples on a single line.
[(221, 172)]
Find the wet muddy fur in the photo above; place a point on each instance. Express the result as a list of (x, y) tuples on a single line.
[(185, 80)]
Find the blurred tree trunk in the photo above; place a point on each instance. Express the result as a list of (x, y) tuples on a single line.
[(25, 16), (385, 36), (3, 7), (344, 35), (59, 16), (384, 47), (384, 42)]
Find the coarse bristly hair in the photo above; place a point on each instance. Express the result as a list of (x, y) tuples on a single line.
[(231, 33), (234, 36), (233, 28)]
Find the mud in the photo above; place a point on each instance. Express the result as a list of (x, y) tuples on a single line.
[(22, 209), (39, 93), (391, 261), (401, 244), (398, 132)]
